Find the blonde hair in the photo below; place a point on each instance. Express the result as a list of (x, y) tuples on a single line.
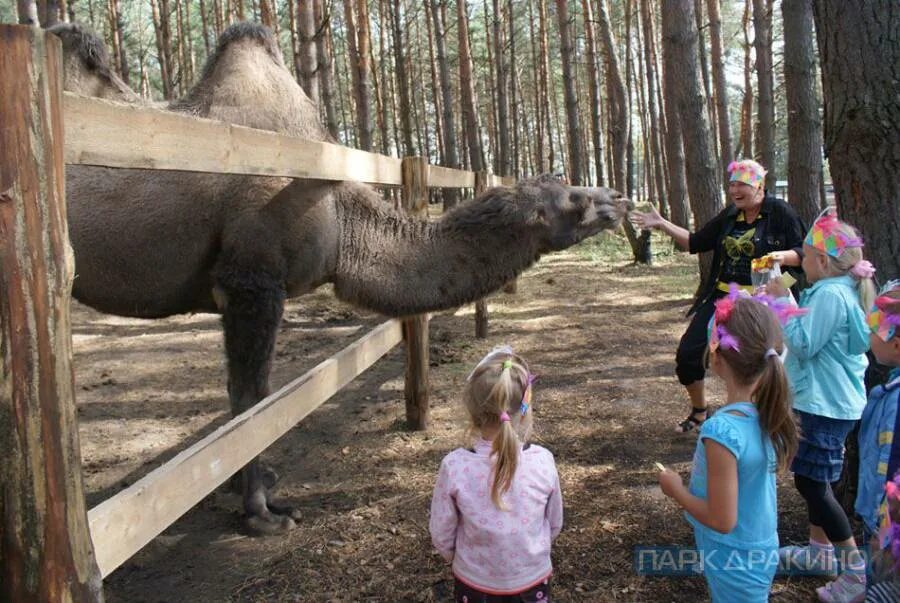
[(497, 386), (844, 263)]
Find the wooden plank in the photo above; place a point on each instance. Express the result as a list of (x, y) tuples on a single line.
[(101, 132), (121, 525), (44, 540), (416, 174), (444, 177)]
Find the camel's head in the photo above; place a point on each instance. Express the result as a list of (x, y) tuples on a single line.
[(570, 214), (88, 70)]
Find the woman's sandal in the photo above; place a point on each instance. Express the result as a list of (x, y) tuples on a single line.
[(692, 422)]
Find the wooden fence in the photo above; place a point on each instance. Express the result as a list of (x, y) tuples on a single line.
[(108, 134)]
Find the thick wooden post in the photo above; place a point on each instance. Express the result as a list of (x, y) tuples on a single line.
[(483, 181), (415, 328), (45, 545)]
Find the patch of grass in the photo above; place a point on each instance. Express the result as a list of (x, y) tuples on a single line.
[(613, 247)]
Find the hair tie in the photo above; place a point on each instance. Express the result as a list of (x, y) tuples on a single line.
[(771, 352), (507, 364), (863, 269), (504, 417)]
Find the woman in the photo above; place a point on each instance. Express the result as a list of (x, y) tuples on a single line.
[(752, 226)]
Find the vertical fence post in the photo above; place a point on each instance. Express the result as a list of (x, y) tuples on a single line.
[(45, 544), (483, 181), (415, 328)]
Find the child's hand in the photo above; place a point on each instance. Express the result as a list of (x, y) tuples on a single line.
[(776, 288), (670, 482)]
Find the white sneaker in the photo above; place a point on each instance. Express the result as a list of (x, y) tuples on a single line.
[(807, 560), (848, 588)]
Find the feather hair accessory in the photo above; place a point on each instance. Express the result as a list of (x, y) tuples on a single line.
[(884, 317), (782, 307)]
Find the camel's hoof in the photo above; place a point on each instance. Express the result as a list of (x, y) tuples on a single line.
[(295, 514), (280, 525)]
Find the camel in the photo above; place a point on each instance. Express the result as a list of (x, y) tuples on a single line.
[(156, 243)]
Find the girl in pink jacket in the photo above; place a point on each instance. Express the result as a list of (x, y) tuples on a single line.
[(497, 506)]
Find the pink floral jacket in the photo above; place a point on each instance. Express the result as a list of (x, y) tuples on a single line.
[(494, 551)]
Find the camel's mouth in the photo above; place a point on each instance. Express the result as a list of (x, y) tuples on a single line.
[(607, 209)]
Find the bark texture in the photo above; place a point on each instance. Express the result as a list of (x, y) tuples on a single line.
[(44, 540), (859, 50)]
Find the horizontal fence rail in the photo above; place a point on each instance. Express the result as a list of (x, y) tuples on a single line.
[(121, 525), (109, 134), (106, 133)]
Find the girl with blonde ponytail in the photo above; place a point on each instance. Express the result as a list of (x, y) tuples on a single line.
[(826, 365), (502, 496)]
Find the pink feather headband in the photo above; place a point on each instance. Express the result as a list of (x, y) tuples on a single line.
[(781, 307)]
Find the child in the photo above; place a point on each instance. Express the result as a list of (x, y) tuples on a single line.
[(497, 506), (826, 364), (879, 436), (731, 501), (886, 562)]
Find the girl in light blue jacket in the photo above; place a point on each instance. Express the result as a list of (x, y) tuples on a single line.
[(826, 363)]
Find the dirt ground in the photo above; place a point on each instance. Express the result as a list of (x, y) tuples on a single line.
[(599, 332)]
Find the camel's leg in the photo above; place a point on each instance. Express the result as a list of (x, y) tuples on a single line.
[(253, 304)]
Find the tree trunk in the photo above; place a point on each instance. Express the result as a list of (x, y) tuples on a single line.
[(618, 112), (676, 183), (451, 151), (720, 85), (435, 84), (163, 50), (204, 23), (467, 96), (804, 167), (859, 49), (503, 146), (402, 78), (765, 128), (267, 15), (45, 543), (746, 143), (325, 66), (547, 91), (189, 40), (513, 100), (704, 69), (573, 128), (28, 12), (307, 65), (649, 60), (680, 48), (594, 89), (180, 49), (358, 47)]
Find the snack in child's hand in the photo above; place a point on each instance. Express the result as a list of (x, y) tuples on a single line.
[(659, 466)]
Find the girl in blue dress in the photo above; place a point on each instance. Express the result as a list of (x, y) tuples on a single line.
[(731, 501)]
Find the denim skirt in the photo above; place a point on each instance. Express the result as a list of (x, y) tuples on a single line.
[(820, 455)]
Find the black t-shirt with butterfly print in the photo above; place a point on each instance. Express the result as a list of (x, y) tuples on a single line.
[(778, 227)]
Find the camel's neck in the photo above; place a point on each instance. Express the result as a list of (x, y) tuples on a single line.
[(398, 265)]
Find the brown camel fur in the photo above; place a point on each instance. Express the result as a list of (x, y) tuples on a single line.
[(155, 243)]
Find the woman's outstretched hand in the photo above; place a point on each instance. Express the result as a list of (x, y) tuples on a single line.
[(646, 220)]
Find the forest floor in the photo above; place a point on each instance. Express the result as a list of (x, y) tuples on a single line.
[(600, 333)]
